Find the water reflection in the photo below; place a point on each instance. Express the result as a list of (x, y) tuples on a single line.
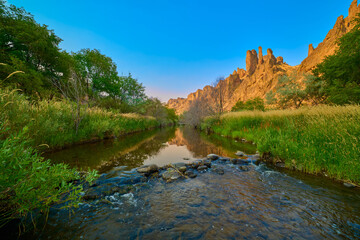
[(161, 147)]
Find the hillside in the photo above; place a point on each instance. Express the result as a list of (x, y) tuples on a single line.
[(262, 71)]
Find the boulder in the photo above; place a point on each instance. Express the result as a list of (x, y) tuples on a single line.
[(170, 175), (148, 169)]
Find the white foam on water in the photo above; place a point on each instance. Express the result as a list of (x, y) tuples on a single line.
[(130, 198)]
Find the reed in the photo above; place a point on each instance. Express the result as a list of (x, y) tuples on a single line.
[(322, 139), (51, 122)]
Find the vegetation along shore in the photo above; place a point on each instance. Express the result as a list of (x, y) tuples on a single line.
[(318, 140)]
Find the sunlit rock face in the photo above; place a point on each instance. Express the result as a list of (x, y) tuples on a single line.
[(329, 45), (255, 81), (262, 72)]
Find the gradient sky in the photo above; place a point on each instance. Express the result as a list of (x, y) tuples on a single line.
[(175, 47)]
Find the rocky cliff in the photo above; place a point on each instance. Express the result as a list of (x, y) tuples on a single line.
[(262, 71)]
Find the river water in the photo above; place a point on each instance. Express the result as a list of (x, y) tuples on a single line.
[(262, 203)]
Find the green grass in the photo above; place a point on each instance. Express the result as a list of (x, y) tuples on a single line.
[(52, 122), (323, 139)]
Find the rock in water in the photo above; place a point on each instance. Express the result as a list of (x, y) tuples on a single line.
[(218, 170), (171, 175), (207, 163), (180, 166), (212, 156), (349, 185), (240, 154), (202, 168), (190, 174), (148, 169)]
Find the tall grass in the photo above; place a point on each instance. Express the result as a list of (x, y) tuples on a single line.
[(323, 139), (52, 122)]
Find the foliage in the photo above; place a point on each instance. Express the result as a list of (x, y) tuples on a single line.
[(155, 108), (100, 74), (51, 122), (29, 47), (252, 104), (341, 72), (288, 92), (29, 183), (321, 139)]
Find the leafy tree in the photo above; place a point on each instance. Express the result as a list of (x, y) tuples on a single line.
[(240, 105), (340, 73), (29, 47), (288, 92), (131, 91), (99, 73), (255, 104)]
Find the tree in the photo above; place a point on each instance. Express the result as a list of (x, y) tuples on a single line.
[(219, 95), (197, 112), (29, 47), (98, 71), (288, 92), (100, 75), (339, 74)]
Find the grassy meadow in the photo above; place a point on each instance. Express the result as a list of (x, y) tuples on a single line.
[(53, 123), (317, 140)]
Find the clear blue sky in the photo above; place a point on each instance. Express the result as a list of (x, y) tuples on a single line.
[(175, 47)]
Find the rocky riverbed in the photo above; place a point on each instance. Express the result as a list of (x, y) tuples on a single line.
[(122, 182)]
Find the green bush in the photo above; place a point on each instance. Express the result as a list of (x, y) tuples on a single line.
[(252, 104), (29, 183)]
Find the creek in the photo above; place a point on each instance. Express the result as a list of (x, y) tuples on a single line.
[(261, 203)]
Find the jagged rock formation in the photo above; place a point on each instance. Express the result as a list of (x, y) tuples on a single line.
[(329, 45), (257, 80), (262, 72)]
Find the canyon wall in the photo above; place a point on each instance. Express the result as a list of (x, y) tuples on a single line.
[(262, 71)]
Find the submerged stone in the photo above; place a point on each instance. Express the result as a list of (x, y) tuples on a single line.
[(218, 170), (202, 168), (190, 174), (105, 190), (244, 168)]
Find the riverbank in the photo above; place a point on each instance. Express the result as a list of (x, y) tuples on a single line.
[(56, 124), (318, 140)]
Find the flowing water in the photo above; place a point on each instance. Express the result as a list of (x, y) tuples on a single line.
[(262, 203)]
